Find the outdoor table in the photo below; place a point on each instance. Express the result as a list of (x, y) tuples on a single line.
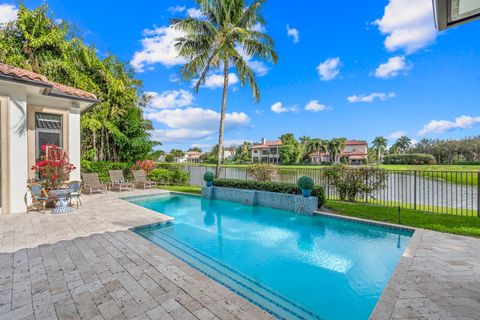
[(60, 197)]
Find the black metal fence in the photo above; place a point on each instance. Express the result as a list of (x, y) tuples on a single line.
[(448, 192)]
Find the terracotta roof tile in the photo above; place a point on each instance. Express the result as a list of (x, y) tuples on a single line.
[(268, 144), (355, 143), (23, 74)]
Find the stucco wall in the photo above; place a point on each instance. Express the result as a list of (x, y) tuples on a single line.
[(74, 142), (17, 152)]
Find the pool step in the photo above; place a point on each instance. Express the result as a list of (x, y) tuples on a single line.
[(248, 288)]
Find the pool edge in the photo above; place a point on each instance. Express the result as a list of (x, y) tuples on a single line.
[(385, 305)]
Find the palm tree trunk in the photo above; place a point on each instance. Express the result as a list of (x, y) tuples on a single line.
[(101, 155), (222, 119), (94, 143)]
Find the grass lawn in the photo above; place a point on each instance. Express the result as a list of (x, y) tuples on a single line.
[(186, 189), (467, 226)]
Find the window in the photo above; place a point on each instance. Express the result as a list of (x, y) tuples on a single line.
[(48, 130)]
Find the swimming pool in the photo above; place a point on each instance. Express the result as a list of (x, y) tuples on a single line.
[(293, 266)]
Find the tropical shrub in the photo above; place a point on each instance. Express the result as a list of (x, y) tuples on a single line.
[(351, 182), (145, 165), (54, 167), (305, 183), (262, 171), (280, 187), (413, 158), (102, 168), (169, 177)]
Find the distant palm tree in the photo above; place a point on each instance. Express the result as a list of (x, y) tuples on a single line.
[(316, 145), (403, 143), (335, 148), (380, 145), (227, 32)]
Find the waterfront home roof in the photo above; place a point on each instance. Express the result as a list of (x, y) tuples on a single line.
[(267, 144), (355, 143), (51, 88), (193, 153)]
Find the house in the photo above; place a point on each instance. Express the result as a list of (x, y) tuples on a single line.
[(355, 152), (193, 156), (35, 111), (266, 151), (229, 153)]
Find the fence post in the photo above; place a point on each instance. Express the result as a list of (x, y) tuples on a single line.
[(414, 190), (478, 194)]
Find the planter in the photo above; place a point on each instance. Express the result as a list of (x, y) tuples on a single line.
[(209, 183), (306, 192), (61, 200)]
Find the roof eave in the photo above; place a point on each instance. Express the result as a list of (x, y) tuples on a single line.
[(48, 90)]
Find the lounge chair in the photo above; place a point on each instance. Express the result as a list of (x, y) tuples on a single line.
[(75, 193), (118, 182), (91, 183), (140, 179), (39, 197)]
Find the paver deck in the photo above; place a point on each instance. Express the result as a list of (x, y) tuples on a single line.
[(88, 265)]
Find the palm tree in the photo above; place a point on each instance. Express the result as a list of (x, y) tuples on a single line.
[(403, 143), (380, 144), (335, 148), (226, 33), (316, 145)]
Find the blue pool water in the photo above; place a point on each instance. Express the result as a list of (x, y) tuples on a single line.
[(295, 267)]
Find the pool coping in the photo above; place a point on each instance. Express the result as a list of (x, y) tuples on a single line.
[(386, 303), (390, 295)]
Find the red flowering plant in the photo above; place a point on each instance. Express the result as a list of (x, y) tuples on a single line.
[(145, 165), (54, 167)]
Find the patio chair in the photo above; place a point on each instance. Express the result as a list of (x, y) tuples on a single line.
[(118, 182), (91, 183), (140, 179), (39, 197), (75, 193)]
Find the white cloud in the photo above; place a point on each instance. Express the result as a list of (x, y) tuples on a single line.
[(216, 80), (292, 32), (408, 24), (170, 99), (329, 69), (192, 123), (371, 97), (158, 46), (396, 134), (258, 27), (279, 108), (195, 13), (197, 118), (173, 135), (176, 9), (439, 126), (315, 106), (8, 12), (393, 67)]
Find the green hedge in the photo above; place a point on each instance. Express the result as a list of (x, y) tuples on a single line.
[(171, 176), (413, 158), (281, 187), (102, 167)]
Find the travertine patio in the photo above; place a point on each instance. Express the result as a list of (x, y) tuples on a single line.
[(88, 265)]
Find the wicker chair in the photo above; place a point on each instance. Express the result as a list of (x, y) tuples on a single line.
[(91, 183), (140, 179), (118, 182), (39, 197)]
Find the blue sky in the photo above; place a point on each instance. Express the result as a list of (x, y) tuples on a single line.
[(355, 69)]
